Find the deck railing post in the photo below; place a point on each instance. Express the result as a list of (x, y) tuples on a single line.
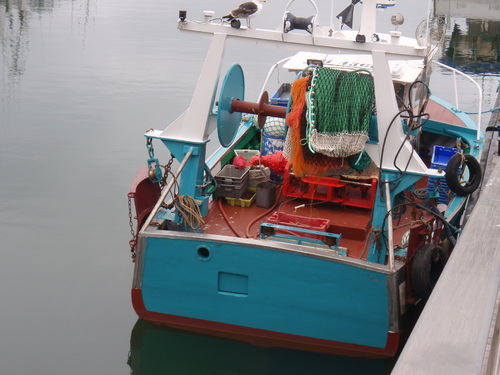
[(390, 238), (478, 87), (457, 106)]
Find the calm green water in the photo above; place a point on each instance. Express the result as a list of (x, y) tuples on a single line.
[(81, 81)]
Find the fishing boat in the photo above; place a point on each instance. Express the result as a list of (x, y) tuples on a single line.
[(318, 217)]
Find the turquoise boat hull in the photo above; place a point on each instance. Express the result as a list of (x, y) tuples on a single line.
[(266, 294)]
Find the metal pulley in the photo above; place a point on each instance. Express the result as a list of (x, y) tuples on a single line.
[(231, 106), (154, 170)]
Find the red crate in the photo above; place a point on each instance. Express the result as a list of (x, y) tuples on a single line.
[(313, 187), (296, 221), (348, 192)]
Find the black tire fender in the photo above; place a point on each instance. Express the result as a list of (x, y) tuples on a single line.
[(452, 174), (426, 267)]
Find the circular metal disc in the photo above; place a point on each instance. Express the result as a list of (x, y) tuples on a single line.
[(228, 122)]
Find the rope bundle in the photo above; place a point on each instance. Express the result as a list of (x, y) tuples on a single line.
[(190, 211)]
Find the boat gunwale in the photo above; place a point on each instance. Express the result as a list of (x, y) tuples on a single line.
[(291, 248)]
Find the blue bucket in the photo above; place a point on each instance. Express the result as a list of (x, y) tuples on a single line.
[(271, 145)]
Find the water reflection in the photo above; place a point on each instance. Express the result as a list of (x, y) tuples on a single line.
[(475, 47), (476, 9), (162, 350), (16, 17), (14, 22), (473, 40)]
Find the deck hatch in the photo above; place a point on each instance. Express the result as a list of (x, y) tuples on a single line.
[(232, 283)]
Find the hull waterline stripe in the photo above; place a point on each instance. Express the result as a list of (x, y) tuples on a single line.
[(264, 337)]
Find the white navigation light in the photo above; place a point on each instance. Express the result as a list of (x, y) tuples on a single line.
[(397, 20)]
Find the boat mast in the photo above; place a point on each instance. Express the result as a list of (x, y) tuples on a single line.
[(368, 25)]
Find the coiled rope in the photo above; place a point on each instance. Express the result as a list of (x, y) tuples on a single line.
[(190, 211)]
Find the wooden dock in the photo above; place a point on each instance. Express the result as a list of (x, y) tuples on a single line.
[(458, 331)]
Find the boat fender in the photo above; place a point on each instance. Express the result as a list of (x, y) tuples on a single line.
[(453, 174), (426, 267)]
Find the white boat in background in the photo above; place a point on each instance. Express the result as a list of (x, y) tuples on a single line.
[(385, 3)]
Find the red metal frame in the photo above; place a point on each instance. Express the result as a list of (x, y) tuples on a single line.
[(331, 189)]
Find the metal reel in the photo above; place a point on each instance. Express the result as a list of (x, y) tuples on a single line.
[(228, 121)]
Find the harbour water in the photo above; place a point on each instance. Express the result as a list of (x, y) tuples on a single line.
[(81, 81)]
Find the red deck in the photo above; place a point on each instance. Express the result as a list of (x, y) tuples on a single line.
[(353, 223)]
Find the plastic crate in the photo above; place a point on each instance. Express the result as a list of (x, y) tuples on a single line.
[(232, 182), (312, 187), (296, 221), (440, 158), (444, 191), (282, 95), (241, 202)]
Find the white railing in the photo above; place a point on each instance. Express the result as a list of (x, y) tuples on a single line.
[(270, 73), (480, 93)]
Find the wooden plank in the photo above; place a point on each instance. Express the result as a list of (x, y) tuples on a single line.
[(452, 333)]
